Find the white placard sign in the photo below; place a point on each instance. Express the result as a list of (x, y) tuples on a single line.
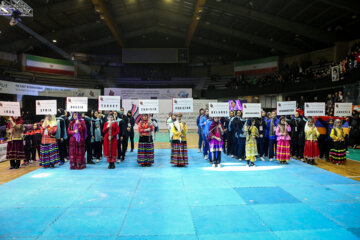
[(219, 109), (343, 109), (314, 109), (148, 106), (286, 108), (251, 110), (183, 105), (77, 104), (45, 107), (109, 103), (10, 109)]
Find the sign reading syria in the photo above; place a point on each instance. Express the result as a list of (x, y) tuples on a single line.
[(45, 107)]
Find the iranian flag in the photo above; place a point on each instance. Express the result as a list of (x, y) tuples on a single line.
[(48, 65), (257, 66)]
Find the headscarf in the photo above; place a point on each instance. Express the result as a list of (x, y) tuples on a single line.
[(16, 121), (60, 112), (214, 129), (77, 135), (282, 126), (129, 112), (52, 122)]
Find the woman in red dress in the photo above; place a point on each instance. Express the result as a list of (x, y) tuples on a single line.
[(111, 130), (77, 135)]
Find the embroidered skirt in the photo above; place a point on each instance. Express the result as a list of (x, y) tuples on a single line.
[(283, 150), (49, 154), (15, 150), (338, 152), (311, 149), (145, 150), (179, 153)]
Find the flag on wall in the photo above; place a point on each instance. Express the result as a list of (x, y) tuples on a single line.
[(33, 63), (257, 66)]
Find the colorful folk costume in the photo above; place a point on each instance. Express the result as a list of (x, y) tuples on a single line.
[(49, 152), (311, 142), (111, 130), (283, 142), (77, 135), (146, 144), (251, 133), (216, 143), (15, 148), (179, 155), (338, 150)]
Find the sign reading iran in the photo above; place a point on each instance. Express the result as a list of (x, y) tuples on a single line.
[(109, 103), (252, 110), (315, 109), (343, 109), (77, 104), (45, 107), (286, 108), (48, 65), (257, 66), (148, 106), (10, 109), (217, 109), (183, 105)]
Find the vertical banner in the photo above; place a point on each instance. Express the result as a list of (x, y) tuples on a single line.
[(183, 105), (217, 109), (45, 107), (10, 109), (148, 106), (252, 110), (286, 108), (343, 109), (314, 109), (109, 103), (77, 104)]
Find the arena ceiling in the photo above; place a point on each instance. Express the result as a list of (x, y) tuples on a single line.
[(242, 28)]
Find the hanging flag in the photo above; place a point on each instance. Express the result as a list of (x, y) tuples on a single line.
[(48, 65), (257, 66)]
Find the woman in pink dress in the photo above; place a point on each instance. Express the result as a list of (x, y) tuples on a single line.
[(283, 141), (77, 135)]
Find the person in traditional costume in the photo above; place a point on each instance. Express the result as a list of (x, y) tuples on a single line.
[(36, 141), (283, 141), (49, 152), (111, 130), (251, 133), (179, 155), (203, 121), (338, 150), (15, 148), (216, 143), (170, 124), (146, 144), (311, 151), (77, 134), (239, 134)]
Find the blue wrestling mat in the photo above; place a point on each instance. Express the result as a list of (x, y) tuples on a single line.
[(270, 201)]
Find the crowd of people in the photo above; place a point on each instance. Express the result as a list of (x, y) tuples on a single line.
[(275, 138)]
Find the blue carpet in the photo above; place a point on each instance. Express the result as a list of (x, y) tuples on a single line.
[(270, 201)]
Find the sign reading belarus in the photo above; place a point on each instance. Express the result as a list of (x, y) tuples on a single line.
[(286, 108), (183, 105), (219, 109), (10, 109), (343, 109), (45, 107), (148, 106), (314, 109), (109, 103), (252, 110), (77, 104)]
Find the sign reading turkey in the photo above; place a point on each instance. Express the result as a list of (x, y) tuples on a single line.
[(286, 108), (45, 107), (109, 103), (77, 104)]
